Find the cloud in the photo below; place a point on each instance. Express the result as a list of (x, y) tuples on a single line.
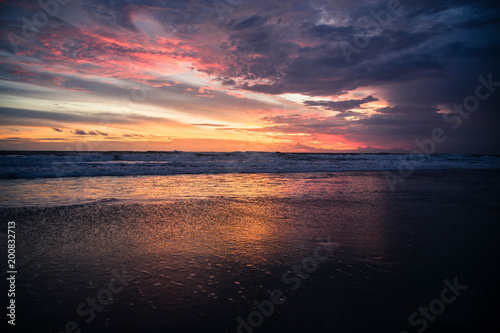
[(253, 21), (341, 106), (57, 130), (408, 109), (24, 117), (425, 59), (92, 133), (210, 125), (101, 133), (358, 150), (348, 114), (79, 132)]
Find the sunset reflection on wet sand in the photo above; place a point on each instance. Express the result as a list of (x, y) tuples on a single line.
[(199, 261)]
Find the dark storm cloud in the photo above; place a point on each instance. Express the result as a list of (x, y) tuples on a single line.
[(359, 150), (253, 21), (341, 106), (410, 109), (298, 42), (409, 48), (327, 32), (396, 125), (459, 49), (479, 23), (348, 114)]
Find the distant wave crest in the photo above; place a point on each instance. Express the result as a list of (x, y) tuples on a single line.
[(28, 165)]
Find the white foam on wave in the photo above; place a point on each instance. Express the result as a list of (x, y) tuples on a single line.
[(45, 165)]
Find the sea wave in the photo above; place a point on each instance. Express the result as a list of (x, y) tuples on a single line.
[(29, 165)]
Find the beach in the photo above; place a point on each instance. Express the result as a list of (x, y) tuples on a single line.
[(324, 252), (231, 166)]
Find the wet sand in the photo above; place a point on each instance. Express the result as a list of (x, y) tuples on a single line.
[(348, 257)]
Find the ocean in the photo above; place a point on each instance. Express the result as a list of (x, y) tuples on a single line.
[(252, 242), (28, 165)]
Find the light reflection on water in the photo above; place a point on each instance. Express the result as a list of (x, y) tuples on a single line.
[(215, 253), (200, 249), (69, 191)]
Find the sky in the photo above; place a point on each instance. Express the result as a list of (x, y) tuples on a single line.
[(241, 75)]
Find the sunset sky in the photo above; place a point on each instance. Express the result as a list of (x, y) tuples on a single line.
[(300, 76)]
